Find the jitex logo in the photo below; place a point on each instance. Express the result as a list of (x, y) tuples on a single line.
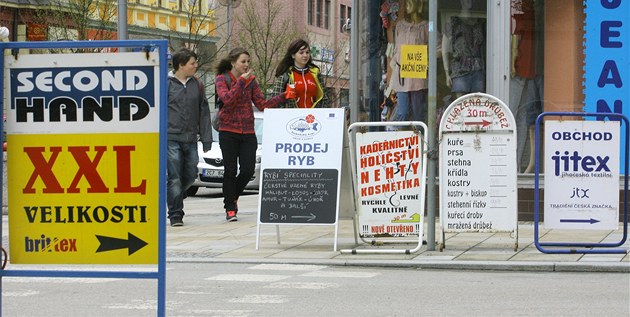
[(575, 163), (49, 244)]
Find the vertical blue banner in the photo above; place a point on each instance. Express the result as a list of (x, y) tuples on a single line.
[(607, 61)]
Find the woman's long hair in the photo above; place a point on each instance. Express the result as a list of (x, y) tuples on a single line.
[(287, 60), (225, 65)]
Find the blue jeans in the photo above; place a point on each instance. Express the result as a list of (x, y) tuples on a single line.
[(471, 82), (416, 101), (181, 167), (241, 149)]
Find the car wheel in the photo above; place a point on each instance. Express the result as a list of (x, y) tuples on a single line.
[(192, 190)]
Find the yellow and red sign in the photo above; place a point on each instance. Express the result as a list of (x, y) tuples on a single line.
[(83, 158)]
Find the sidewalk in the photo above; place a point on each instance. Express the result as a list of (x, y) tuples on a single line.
[(207, 237)]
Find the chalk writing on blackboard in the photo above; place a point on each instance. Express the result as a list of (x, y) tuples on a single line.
[(305, 196)]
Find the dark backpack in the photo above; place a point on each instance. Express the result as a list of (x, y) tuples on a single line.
[(218, 102)]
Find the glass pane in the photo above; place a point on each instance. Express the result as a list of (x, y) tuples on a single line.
[(526, 75), (393, 58)]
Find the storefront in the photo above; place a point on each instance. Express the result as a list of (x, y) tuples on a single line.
[(531, 54)]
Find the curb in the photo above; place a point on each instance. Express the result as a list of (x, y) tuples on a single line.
[(593, 267)]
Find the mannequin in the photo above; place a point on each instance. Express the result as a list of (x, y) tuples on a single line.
[(411, 93), (526, 84), (463, 52)]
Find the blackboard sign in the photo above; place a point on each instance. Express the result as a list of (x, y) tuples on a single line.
[(301, 196)]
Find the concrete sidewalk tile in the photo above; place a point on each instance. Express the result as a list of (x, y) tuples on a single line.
[(489, 254), (535, 255), (602, 257)]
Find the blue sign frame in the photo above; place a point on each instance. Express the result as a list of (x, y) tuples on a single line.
[(586, 247), (160, 274)]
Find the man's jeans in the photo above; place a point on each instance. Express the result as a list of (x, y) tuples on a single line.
[(182, 171)]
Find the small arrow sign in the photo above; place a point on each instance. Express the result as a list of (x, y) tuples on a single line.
[(591, 221), (132, 243), (483, 123), (309, 218)]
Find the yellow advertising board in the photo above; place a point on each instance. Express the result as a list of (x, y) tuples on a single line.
[(83, 159), (414, 61)]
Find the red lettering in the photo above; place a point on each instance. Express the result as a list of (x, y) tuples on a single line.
[(73, 245), (87, 168), (43, 170), (123, 164)]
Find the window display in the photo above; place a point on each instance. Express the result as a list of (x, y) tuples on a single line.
[(503, 49)]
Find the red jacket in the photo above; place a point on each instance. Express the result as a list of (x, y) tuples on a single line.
[(237, 115)]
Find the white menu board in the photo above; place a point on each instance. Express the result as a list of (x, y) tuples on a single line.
[(478, 166)]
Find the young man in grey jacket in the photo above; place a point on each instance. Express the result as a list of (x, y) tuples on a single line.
[(188, 120)]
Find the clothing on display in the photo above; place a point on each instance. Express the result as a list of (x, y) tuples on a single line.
[(411, 91), (467, 36)]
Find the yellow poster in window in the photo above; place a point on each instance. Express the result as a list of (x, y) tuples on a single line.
[(414, 61)]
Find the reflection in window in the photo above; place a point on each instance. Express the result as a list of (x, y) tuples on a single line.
[(526, 75)]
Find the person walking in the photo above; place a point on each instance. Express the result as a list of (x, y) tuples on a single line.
[(237, 90), (188, 121), (298, 70)]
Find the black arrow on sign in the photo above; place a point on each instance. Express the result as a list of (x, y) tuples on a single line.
[(591, 220), (132, 243)]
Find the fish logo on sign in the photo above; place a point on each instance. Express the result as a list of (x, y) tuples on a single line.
[(304, 128)]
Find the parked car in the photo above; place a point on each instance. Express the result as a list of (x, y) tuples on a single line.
[(210, 164)]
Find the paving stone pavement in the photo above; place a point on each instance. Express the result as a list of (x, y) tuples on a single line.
[(207, 236)]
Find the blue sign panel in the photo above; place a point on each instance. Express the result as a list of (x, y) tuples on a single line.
[(607, 64)]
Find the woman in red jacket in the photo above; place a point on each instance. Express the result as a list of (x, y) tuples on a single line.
[(236, 123), (297, 68)]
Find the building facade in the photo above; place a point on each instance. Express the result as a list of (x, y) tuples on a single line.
[(324, 23), (531, 54)]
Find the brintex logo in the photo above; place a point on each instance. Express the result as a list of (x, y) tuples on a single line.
[(576, 163), (49, 244)]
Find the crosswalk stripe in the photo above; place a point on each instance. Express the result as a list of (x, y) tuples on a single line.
[(284, 285), (20, 293), (349, 274), (260, 299), (287, 267), (247, 277)]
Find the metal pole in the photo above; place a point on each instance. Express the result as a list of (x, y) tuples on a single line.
[(431, 191), (354, 62), (121, 27)]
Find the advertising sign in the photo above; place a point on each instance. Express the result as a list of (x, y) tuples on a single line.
[(390, 183), (82, 157), (581, 174), (301, 166), (414, 62), (606, 53), (478, 166)]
